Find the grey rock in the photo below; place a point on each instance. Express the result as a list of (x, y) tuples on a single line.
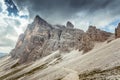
[(92, 35), (69, 25), (41, 39), (117, 31)]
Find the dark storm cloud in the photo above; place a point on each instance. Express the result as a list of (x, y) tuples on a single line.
[(45, 7), (52, 5), (66, 9), (89, 4)]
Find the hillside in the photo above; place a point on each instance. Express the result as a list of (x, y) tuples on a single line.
[(101, 62), (47, 52)]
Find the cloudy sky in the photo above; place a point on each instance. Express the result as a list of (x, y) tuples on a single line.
[(16, 14)]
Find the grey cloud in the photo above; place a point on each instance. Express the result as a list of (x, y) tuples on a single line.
[(6, 42), (58, 11), (0, 7), (5, 31), (62, 5), (90, 4)]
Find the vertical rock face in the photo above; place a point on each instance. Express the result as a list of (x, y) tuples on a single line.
[(41, 39), (117, 31)]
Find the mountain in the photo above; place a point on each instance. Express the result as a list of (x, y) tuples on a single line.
[(41, 39), (62, 52)]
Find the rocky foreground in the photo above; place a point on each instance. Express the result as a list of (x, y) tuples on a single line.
[(58, 52)]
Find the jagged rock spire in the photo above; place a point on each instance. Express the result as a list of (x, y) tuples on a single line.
[(38, 19), (69, 25), (41, 22)]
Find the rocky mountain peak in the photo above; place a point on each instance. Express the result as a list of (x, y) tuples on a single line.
[(93, 35), (41, 39), (92, 29), (38, 19), (41, 23), (98, 34), (117, 31), (119, 25), (69, 25)]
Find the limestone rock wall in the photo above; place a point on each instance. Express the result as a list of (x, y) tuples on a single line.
[(41, 39)]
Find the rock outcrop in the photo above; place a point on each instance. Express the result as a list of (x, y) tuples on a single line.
[(41, 39), (97, 34), (69, 25), (117, 31), (93, 35)]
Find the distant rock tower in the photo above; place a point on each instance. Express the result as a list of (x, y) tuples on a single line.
[(117, 31), (69, 25)]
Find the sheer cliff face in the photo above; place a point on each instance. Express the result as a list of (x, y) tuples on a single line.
[(41, 39)]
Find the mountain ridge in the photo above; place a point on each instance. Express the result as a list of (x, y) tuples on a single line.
[(63, 53), (41, 39)]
